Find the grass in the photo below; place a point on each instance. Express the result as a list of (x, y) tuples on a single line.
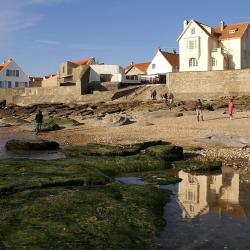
[(108, 150), (71, 204), (101, 150), (60, 121), (166, 152), (194, 165), (20, 174), (74, 203), (109, 217)]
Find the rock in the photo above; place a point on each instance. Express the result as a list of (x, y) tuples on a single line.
[(178, 114), (226, 141), (166, 152), (15, 121), (122, 121), (31, 145), (194, 165), (4, 125)]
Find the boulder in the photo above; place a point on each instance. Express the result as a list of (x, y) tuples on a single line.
[(166, 152), (31, 145)]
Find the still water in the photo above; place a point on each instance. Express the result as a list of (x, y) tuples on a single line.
[(207, 211), (7, 134)]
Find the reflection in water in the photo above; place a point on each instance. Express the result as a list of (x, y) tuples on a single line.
[(198, 194), (210, 212)]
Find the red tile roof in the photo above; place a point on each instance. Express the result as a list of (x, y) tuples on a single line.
[(85, 61), (172, 58), (236, 30), (141, 66), (4, 65)]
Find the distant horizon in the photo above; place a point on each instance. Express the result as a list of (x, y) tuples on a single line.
[(41, 34)]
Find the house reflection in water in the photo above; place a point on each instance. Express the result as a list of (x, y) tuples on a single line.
[(201, 194)]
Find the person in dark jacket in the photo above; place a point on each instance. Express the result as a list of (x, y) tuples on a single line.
[(199, 110), (39, 121)]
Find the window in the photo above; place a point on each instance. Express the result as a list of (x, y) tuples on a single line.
[(16, 84), (153, 66), (10, 72), (26, 85), (193, 31), (9, 84), (193, 62), (191, 45), (214, 62), (1, 85)]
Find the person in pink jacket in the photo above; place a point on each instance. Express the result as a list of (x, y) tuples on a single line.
[(230, 109)]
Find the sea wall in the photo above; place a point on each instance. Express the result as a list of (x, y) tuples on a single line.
[(209, 84)]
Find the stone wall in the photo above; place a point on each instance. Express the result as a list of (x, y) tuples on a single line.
[(209, 84), (70, 94)]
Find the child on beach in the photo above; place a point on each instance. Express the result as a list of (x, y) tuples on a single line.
[(230, 109)]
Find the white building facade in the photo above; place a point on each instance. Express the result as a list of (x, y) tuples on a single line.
[(12, 76), (205, 48), (162, 63)]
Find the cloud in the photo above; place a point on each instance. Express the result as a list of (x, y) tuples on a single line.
[(22, 14)]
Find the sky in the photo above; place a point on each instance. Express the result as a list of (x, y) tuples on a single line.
[(41, 34)]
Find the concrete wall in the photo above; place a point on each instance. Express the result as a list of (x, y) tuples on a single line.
[(209, 84), (50, 82)]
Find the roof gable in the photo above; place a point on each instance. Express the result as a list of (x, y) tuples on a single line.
[(199, 24), (140, 66), (172, 58), (5, 65), (236, 30), (85, 61)]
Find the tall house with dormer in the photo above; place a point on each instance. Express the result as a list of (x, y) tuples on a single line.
[(12, 76), (205, 48)]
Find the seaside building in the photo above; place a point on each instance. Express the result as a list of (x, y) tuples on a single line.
[(163, 63), (12, 76), (137, 72), (205, 48)]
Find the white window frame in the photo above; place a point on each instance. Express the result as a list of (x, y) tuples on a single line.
[(193, 62), (193, 31), (214, 62)]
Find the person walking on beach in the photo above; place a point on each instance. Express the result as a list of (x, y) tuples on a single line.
[(39, 121), (171, 100), (230, 109), (199, 108)]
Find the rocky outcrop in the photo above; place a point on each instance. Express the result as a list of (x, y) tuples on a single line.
[(31, 145)]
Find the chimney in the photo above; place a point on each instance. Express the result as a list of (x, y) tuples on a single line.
[(222, 25), (174, 51), (132, 63), (158, 48), (185, 24)]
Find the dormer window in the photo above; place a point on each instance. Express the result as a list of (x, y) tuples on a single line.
[(193, 31)]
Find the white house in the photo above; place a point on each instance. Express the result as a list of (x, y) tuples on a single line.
[(12, 76), (204, 48), (163, 62), (137, 72), (106, 73)]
